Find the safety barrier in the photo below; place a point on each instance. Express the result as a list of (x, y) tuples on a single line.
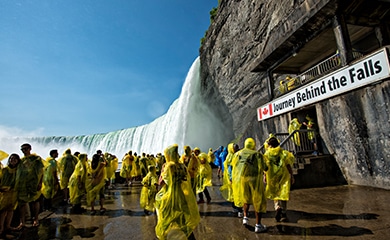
[(326, 66)]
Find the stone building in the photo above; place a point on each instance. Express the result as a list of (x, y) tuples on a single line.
[(267, 62)]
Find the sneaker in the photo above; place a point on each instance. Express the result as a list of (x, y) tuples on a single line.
[(200, 201), (260, 228), (245, 221), (240, 214)]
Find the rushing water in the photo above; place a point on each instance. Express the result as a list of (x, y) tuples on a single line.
[(188, 121)]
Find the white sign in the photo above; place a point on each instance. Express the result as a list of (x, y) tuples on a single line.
[(364, 72)]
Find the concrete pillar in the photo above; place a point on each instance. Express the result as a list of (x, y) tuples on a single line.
[(343, 40)]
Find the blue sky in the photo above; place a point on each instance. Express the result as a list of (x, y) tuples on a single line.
[(71, 67)]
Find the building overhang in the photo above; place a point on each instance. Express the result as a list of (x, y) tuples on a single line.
[(307, 32)]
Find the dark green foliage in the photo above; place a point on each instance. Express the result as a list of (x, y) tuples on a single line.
[(213, 13)]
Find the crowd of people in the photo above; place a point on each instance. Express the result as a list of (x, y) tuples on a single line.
[(173, 184)]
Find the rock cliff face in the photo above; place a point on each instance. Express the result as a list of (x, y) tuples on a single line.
[(354, 127)]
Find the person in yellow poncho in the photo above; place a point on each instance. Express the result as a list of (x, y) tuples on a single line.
[(176, 208), (111, 167), (211, 155), (127, 167), (279, 177), (77, 182), (50, 180), (66, 165), (226, 188), (271, 135), (204, 178), (149, 190), (136, 172), (8, 194), (95, 183), (191, 161), (160, 162), (143, 163), (311, 134), (248, 187), (295, 125), (28, 184)]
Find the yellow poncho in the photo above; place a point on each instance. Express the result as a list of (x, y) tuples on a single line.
[(3, 155), (176, 205), (50, 180), (310, 126), (94, 183), (205, 173), (127, 166), (278, 177), (112, 166), (226, 189), (295, 125), (66, 165), (28, 178), (149, 190), (8, 195), (211, 155), (136, 167), (77, 180), (248, 187)]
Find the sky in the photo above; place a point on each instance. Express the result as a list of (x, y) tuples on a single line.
[(71, 67)]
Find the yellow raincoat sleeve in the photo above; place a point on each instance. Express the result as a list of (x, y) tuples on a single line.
[(278, 176), (176, 207), (50, 180), (226, 188), (95, 181)]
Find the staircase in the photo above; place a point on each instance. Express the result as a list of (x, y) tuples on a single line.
[(310, 168)]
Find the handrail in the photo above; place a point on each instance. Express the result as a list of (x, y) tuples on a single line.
[(289, 141)]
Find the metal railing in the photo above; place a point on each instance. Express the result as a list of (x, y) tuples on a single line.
[(304, 147), (289, 83), (326, 66), (290, 142)]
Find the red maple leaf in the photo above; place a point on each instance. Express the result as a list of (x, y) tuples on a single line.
[(265, 111)]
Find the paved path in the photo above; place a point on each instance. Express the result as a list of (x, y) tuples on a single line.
[(341, 212)]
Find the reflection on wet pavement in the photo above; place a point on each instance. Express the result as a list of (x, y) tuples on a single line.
[(328, 230), (324, 213)]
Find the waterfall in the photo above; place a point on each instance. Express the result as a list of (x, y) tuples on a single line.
[(188, 121)]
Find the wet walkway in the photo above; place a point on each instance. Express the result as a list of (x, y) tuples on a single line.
[(341, 212)]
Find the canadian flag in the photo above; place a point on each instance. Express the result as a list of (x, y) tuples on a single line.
[(265, 112)]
